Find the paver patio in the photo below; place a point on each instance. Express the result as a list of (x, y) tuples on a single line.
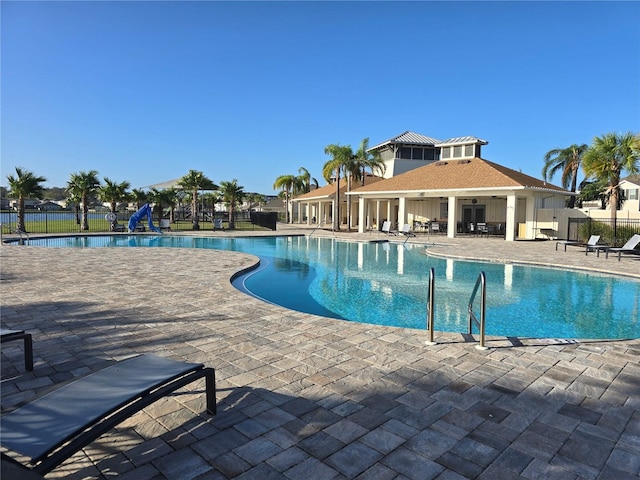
[(306, 397)]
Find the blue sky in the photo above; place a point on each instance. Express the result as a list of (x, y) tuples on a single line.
[(145, 91)]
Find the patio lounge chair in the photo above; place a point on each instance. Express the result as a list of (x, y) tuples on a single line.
[(386, 228), (9, 335), (406, 230), (53, 427), (593, 240), (629, 247)]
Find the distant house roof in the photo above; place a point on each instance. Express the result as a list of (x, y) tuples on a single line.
[(408, 138), (467, 174), (635, 179)]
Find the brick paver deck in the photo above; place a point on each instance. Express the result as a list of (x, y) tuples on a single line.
[(306, 397)]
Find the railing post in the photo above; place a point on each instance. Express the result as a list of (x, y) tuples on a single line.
[(483, 299), (482, 283), (430, 308)]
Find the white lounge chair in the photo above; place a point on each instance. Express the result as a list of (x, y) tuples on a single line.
[(629, 247), (406, 230), (593, 240), (386, 228), (592, 245)]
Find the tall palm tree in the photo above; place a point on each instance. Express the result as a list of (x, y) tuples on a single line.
[(341, 158), (305, 180), (113, 192), (24, 185), (568, 161), (256, 198), (285, 183), (84, 185), (607, 157), (232, 194), (372, 161), (139, 196), (162, 198), (193, 182)]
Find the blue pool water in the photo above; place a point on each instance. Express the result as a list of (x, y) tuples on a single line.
[(386, 284)]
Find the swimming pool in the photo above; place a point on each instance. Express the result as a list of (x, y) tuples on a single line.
[(386, 284)]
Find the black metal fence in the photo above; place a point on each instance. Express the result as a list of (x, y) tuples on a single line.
[(65, 221), (614, 232)]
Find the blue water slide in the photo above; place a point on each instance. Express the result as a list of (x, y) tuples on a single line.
[(145, 210)]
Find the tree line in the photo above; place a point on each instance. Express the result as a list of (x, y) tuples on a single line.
[(602, 163), (344, 162), (84, 188)]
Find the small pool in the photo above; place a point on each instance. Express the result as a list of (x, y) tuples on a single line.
[(386, 284)]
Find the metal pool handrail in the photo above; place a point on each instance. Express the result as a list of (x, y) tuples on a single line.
[(481, 282), (430, 308)]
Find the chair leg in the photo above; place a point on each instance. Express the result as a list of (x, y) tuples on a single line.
[(28, 352), (210, 385)]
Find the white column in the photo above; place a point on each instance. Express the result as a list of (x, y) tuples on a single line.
[(510, 232), (362, 221), (402, 212), (377, 215), (452, 217)]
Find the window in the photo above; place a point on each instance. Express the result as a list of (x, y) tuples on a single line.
[(457, 151), (444, 211), (632, 194), (446, 152), (429, 154), (417, 153), (468, 150), (405, 152)]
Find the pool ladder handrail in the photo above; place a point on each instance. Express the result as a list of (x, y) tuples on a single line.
[(481, 283), (430, 307)]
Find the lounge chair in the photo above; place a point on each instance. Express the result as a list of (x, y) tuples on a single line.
[(406, 231), (386, 228), (51, 428), (629, 247), (165, 224), (435, 227), (10, 335), (482, 229), (217, 224), (593, 240)]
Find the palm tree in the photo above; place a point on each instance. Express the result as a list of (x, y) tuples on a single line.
[(286, 183), (24, 185), (83, 185), (372, 161), (193, 182), (607, 157), (161, 198), (305, 180), (139, 196), (568, 161), (341, 158), (256, 198), (232, 194), (113, 192)]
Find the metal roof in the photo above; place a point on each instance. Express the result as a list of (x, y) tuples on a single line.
[(462, 141), (406, 138)]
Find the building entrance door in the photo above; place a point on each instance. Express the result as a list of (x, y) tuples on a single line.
[(471, 216)]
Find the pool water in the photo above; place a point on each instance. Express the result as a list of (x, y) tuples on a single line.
[(387, 284)]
